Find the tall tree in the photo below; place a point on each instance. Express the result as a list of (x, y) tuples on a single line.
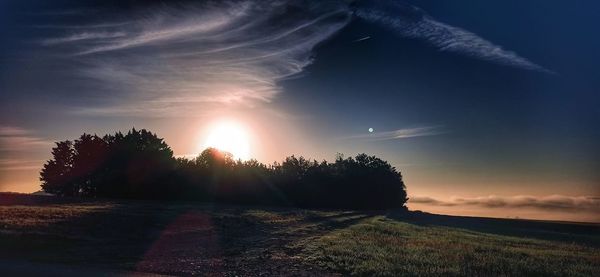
[(56, 174)]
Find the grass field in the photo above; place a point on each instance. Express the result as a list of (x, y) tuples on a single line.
[(190, 238)]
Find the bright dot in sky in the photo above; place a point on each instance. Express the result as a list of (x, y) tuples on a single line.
[(370, 130), (230, 137)]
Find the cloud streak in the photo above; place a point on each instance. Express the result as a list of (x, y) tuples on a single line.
[(6, 131), (13, 139), (18, 149), (412, 22), (551, 202), (83, 36), (20, 164), (398, 134)]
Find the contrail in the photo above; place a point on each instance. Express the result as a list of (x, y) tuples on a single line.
[(362, 39)]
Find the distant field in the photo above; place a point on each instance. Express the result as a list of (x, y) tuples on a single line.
[(46, 234)]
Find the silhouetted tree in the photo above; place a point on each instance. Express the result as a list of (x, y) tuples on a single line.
[(132, 165), (137, 165), (90, 153), (56, 174)]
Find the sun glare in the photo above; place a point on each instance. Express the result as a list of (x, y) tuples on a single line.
[(230, 137)]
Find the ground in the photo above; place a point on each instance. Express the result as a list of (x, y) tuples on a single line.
[(43, 235)]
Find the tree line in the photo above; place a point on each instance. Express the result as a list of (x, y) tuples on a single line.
[(140, 165)]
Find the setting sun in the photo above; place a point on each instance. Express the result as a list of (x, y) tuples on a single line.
[(230, 137)]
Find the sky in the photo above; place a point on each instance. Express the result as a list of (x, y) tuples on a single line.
[(488, 108)]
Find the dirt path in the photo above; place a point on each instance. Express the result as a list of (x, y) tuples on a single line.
[(170, 239)]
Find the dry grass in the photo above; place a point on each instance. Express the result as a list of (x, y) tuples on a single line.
[(384, 247), (21, 217)]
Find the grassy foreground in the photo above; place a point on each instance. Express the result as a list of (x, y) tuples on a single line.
[(385, 247), (191, 238)]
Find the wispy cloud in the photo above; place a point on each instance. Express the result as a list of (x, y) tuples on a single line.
[(83, 36), (19, 149), (412, 22), (81, 26), (398, 134), (6, 131), (170, 57), (20, 164), (14, 139), (551, 202)]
